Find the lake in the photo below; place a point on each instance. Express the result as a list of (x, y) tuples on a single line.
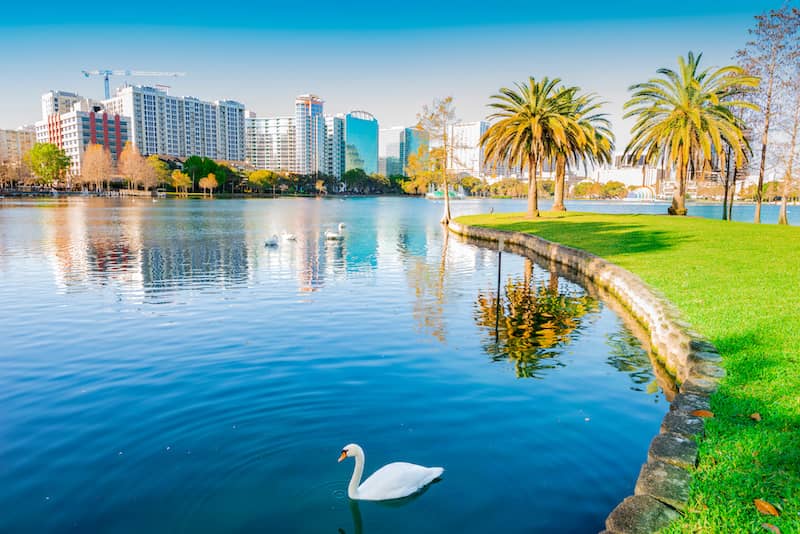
[(162, 370)]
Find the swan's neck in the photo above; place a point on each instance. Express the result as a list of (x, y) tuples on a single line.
[(355, 480)]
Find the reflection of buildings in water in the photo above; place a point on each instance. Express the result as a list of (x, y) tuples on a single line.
[(431, 259), (427, 280), (64, 243), (129, 246), (220, 262), (362, 246), (310, 265), (86, 243)]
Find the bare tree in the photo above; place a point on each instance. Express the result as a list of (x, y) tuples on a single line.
[(436, 119), (793, 128), (209, 183), (773, 47), (96, 166), (130, 164)]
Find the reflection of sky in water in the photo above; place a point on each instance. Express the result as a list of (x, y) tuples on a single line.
[(163, 370)]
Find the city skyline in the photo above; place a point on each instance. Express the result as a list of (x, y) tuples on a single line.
[(266, 67)]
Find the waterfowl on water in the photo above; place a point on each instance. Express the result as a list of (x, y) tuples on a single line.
[(392, 481)]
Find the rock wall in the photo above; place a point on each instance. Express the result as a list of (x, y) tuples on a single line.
[(662, 489)]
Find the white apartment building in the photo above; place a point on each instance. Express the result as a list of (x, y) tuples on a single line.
[(58, 102), (467, 160), (334, 146), (309, 134), (14, 144), (628, 172), (181, 126), (270, 143), (75, 130)]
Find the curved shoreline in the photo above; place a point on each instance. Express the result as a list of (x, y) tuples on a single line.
[(662, 488)]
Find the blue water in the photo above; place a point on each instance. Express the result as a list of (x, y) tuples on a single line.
[(162, 371), (742, 212)]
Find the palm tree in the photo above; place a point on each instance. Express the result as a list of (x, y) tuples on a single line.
[(688, 114), (596, 146), (532, 122)]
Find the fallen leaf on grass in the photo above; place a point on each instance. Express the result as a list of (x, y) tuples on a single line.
[(755, 417), (765, 508), (702, 413), (771, 528)]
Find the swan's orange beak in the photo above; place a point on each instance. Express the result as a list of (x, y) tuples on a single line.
[(343, 456)]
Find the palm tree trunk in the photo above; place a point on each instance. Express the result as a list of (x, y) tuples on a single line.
[(561, 171), (727, 185), (733, 191), (678, 206), (533, 187)]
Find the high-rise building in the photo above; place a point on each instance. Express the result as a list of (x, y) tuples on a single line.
[(389, 141), (270, 143), (361, 141), (181, 126), (14, 144), (397, 144), (310, 142), (86, 124), (412, 140), (309, 134), (334, 146), (467, 153), (58, 102)]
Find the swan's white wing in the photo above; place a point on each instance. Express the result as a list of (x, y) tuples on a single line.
[(397, 480)]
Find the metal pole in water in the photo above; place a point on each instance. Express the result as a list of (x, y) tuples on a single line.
[(497, 308)]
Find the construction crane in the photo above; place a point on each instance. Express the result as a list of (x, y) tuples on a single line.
[(106, 73)]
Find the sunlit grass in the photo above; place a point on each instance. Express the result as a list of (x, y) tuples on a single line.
[(739, 285)]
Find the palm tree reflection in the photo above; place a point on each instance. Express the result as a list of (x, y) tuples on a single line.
[(626, 355), (531, 321)]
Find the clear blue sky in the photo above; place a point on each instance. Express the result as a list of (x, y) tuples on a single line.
[(386, 58)]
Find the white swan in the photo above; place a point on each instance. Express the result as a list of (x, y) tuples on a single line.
[(392, 481), (272, 241), (288, 236), (335, 236)]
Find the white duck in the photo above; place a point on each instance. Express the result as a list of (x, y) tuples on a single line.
[(335, 236), (287, 236), (271, 241), (392, 481)]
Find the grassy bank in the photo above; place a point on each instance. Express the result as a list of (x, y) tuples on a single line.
[(739, 285)]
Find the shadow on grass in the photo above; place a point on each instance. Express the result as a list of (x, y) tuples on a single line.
[(599, 237), (747, 456)]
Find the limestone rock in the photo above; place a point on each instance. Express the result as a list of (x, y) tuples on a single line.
[(706, 369), (688, 402), (682, 423), (666, 482), (673, 449), (702, 345), (700, 386), (640, 514), (704, 356)]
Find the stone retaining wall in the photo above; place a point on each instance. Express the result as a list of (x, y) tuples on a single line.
[(662, 489)]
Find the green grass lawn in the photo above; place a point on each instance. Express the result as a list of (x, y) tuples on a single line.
[(739, 285)]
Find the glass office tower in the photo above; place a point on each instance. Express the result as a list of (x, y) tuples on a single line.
[(361, 142)]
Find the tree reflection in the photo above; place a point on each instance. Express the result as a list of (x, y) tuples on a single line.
[(627, 356), (429, 292), (530, 321)]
